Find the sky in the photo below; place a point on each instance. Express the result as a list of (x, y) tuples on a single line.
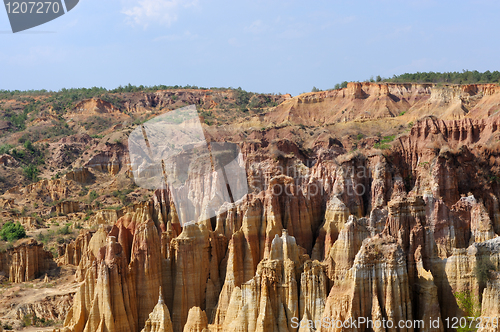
[(271, 46)]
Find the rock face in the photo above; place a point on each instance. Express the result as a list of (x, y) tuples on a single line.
[(376, 287), (71, 253), (323, 235), (49, 308), (8, 161), (81, 175), (95, 105), (197, 321), (25, 262), (111, 158), (66, 207), (159, 319), (116, 278), (368, 101)]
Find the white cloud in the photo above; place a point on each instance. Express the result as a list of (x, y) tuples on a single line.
[(256, 27), (163, 12)]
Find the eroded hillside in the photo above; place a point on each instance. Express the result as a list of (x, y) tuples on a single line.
[(376, 200)]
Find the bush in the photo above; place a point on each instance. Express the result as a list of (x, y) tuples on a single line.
[(64, 230), (470, 308), (7, 327), (92, 196), (122, 195), (5, 148), (34, 320), (12, 231), (31, 172), (383, 144)]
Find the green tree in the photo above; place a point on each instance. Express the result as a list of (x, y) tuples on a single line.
[(12, 231), (31, 172), (29, 146)]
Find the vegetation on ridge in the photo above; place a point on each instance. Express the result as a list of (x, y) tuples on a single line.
[(464, 77)]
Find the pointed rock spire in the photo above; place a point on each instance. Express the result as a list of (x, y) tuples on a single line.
[(160, 298)]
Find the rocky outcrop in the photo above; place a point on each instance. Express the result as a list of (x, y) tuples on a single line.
[(106, 301), (469, 271), (104, 217), (426, 299), (116, 276), (376, 287), (159, 318), (81, 175), (110, 159), (25, 262), (55, 189), (343, 252), (8, 161), (197, 321), (264, 302), (490, 306), (322, 233), (66, 207), (54, 308), (370, 101), (95, 105), (29, 223), (72, 253)]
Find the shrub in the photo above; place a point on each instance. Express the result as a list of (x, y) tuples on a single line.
[(383, 144), (29, 146), (7, 327), (12, 231), (31, 172), (470, 308), (34, 320), (93, 195), (64, 230), (5, 148), (122, 195)]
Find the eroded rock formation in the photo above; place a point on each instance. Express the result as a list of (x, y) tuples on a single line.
[(323, 234), (25, 262)]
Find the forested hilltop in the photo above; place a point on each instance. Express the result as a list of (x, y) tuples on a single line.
[(464, 77)]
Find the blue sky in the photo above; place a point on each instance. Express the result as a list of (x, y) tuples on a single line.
[(263, 46)]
